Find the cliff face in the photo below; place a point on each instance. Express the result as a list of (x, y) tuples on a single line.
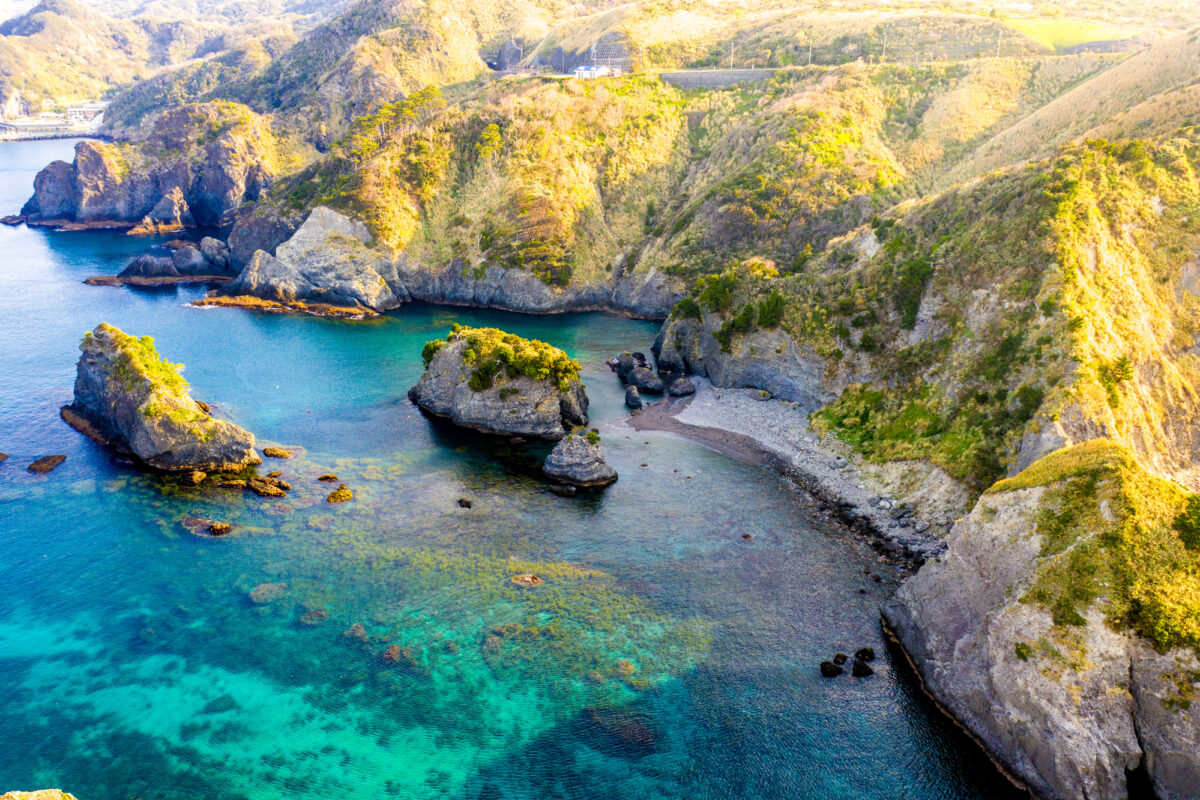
[(1039, 324), (496, 382), (199, 163), (1022, 635), (127, 396), (329, 259)]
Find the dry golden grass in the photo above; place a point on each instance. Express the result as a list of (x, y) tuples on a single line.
[(1165, 67)]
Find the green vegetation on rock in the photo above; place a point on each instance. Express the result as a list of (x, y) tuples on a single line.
[(1116, 535), (492, 351)]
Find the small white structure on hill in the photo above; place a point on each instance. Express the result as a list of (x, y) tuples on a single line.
[(593, 71)]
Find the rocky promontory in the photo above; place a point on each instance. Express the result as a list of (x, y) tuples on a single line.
[(199, 162), (578, 460), (1062, 624), (496, 382), (128, 397)]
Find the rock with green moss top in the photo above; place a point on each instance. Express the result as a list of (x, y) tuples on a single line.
[(1062, 626), (496, 382), (132, 399), (578, 460)]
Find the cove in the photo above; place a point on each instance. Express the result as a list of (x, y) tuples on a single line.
[(665, 656)]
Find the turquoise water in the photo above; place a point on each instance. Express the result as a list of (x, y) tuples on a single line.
[(663, 657)]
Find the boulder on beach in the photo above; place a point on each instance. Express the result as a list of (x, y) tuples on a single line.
[(633, 398), (128, 397), (578, 460), (496, 382), (681, 387)]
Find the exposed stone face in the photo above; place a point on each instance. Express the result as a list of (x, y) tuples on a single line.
[(39, 794), (134, 401), (577, 461), (54, 195), (1069, 731), (171, 184), (512, 405), (325, 261), (763, 359), (258, 227)]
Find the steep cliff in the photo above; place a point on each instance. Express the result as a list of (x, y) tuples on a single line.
[(198, 163), (1062, 626), (128, 397), (1038, 323)]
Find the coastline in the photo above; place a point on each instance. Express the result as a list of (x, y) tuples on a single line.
[(775, 433)]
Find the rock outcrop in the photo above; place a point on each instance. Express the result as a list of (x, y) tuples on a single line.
[(199, 162), (39, 794), (330, 259), (207, 258), (325, 261), (1070, 704), (492, 381), (578, 460), (128, 397)]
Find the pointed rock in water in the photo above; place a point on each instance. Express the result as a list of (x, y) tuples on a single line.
[(495, 382), (578, 460), (46, 464), (830, 669), (3, 457), (130, 398), (859, 669)]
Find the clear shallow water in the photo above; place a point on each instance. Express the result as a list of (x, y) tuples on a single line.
[(664, 657)]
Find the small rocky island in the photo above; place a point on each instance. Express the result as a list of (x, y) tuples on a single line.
[(128, 397), (496, 382), (578, 460)]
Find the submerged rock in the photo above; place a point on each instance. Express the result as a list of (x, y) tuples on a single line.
[(46, 464), (134, 400), (578, 460), (268, 593), (495, 382), (341, 494)]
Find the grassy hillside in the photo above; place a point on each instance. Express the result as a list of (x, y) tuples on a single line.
[(547, 175), (61, 51), (1042, 296), (1150, 82)]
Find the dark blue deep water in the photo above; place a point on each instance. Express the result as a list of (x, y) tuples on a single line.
[(664, 656)]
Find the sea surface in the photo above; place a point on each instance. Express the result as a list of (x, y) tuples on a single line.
[(663, 656)]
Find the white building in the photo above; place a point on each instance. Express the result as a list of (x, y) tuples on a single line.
[(592, 71)]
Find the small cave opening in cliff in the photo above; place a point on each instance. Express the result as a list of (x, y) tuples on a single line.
[(1138, 783)]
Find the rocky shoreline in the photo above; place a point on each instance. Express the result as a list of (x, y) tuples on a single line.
[(775, 433)]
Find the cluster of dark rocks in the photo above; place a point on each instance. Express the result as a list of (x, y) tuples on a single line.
[(902, 513), (639, 376), (859, 667)]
